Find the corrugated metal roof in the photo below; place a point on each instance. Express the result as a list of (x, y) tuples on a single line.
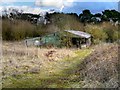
[(79, 33)]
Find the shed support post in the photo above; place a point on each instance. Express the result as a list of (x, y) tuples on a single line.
[(80, 44)]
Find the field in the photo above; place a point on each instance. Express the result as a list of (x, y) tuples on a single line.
[(32, 67)]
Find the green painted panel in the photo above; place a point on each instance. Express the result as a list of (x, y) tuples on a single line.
[(51, 39)]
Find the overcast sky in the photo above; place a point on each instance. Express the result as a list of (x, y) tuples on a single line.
[(67, 6)]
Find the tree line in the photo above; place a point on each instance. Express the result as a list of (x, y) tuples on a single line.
[(103, 26), (85, 17)]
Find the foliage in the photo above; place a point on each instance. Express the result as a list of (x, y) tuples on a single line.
[(113, 14), (111, 31), (24, 25), (20, 29), (17, 30), (97, 33), (66, 39), (66, 21), (107, 15), (85, 16)]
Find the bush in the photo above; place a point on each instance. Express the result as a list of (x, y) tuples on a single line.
[(20, 29), (104, 32), (111, 31), (17, 30), (7, 30), (97, 33)]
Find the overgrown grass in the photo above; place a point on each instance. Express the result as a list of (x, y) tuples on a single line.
[(57, 74)]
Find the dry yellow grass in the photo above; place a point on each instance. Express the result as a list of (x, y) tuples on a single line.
[(39, 63), (59, 68), (18, 59)]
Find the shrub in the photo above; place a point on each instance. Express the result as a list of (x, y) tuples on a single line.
[(111, 31), (17, 30), (97, 33), (7, 30)]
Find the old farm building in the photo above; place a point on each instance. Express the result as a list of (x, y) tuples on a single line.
[(69, 38), (79, 38)]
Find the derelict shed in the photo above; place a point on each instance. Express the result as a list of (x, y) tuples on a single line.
[(79, 38), (71, 38)]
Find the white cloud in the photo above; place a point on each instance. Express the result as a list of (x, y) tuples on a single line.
[(60, 4), (26, 9), (49, 3), (54, 3), (32, 10), (0, 11)]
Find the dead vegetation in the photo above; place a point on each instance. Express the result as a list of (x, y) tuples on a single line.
[(18, 59), (60, 68), (100, 69)]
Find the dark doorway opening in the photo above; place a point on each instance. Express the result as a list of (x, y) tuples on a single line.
[(74, 41)]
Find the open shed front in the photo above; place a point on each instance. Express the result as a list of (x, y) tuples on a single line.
[(79, 39), (80, 42)]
